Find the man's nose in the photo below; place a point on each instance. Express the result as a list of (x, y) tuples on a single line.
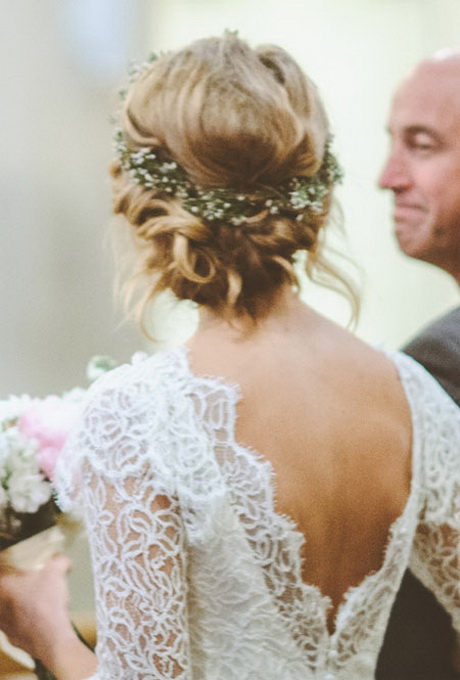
[(394, 174)]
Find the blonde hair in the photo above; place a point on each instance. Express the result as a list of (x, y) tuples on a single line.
[(230, 116)]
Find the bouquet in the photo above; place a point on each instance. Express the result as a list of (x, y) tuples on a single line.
[(32, 434), (32, 527)]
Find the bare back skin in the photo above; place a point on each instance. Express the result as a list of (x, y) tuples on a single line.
[(330, 415)]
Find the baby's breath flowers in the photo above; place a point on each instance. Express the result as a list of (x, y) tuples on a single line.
[(297, 196)]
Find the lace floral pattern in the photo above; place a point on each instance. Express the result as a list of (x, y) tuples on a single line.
[(196, 575)]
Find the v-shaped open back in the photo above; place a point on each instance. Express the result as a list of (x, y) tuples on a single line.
[(253, 483)]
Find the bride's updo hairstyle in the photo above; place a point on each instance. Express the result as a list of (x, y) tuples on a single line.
[(245, 122)]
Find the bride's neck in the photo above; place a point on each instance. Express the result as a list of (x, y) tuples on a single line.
[(282, 313)]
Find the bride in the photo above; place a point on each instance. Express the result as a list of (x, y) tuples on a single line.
[(252, 498)]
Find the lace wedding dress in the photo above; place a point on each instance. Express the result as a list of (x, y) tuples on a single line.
[(196, 575)]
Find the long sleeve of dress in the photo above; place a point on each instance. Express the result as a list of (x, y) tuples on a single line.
[(136, 536), (435, 556)]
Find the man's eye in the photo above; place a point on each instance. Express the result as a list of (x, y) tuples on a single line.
[(422, 144)]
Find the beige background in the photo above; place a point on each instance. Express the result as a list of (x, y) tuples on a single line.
[(62, 63)]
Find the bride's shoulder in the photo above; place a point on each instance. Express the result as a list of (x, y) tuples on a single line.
[(415, 376), (434, 413), (147, 374)]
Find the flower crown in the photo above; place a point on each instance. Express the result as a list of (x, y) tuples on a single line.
[(297, 196)]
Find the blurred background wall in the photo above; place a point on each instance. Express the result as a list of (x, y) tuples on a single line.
[(62, 64)]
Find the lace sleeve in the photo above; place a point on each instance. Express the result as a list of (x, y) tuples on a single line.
[(136, 536), (436, 552)]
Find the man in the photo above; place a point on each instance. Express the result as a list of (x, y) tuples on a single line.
[(423, 172)]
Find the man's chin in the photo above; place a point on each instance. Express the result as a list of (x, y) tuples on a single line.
[(409, 246)]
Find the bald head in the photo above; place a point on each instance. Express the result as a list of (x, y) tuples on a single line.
[(436, 78), (444, 62), (445, 55), (423, 169)]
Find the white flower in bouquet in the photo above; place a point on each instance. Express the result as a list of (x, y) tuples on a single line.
[(28, 490), (22, 484), (12, 408)]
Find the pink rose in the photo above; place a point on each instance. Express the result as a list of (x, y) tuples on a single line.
[(49, 422)]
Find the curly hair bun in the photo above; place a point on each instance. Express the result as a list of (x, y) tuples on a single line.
[(230, 116)]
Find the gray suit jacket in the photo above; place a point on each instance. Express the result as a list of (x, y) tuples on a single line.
[(438, 349), (419, 639)]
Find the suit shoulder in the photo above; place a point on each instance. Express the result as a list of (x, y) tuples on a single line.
[(437, 348), (444, 328)]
